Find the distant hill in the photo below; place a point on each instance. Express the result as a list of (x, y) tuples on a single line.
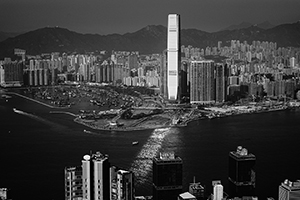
[(5, 35), (266, 25), (237, 26), (150, 39), (243, 25)]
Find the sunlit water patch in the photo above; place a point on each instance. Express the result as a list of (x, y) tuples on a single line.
[(142, 165)]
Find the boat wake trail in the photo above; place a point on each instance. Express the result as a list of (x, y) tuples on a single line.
[(142, 165), (54, 125)]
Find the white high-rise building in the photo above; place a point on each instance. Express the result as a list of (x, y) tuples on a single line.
[(95, 177), (173, 55), (218, 190)]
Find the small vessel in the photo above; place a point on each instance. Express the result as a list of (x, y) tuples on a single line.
[(6, 96), (135, 142), (86, 131)]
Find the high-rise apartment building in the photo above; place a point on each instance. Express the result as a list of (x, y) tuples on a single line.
[(221, 82), (167, 176), (289, 190), (173, 56), (133, 61), (125, 185), (12, 73), (95, 177), (218, 190), (122, 184), (241, 173), (163, 76), (202, 81), (73, 183), (183, 81)]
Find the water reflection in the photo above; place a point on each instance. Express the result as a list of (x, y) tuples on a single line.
[(142, 165)]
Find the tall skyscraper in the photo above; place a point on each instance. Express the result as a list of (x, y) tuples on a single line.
[(289, 190), (202, 81), (167, 176), (173, 55), (95, 177), (241, 173)]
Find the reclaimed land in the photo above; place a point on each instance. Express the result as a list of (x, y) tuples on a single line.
[(105, 117)]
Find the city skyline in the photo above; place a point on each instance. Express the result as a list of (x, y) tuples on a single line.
[(108, 17)]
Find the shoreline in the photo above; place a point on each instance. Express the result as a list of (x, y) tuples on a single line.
[(36, 101), (107, 127)]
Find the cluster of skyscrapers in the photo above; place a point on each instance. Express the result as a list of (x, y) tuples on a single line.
[(121, 67), (202, 81), (257, 69), (97, 179)]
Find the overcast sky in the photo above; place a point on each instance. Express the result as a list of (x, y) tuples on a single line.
[(122, 16)]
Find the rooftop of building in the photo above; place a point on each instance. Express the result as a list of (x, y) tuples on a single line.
[(202, 61), (242, 153), (98, 156), (291, 185), (121, 171), (187, 195), (167, 156), (72, 168)]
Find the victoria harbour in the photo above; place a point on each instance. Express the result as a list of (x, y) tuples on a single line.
[(36, 147), (202, 103)]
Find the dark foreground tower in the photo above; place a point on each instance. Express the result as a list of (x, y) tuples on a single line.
[(167, 177), (241, 173)]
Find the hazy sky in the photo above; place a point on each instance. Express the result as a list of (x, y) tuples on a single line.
[(122, 16)]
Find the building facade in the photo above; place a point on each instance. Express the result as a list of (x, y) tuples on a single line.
[(73, 183), (95, 176), (221, 82), (167, 176), (122, 184), (241, 173), (12, 74), (202, 82)]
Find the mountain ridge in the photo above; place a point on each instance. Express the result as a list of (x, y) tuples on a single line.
[(263, 25), (150, 39)]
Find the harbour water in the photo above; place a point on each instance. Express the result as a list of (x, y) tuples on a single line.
[(36, 146)]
